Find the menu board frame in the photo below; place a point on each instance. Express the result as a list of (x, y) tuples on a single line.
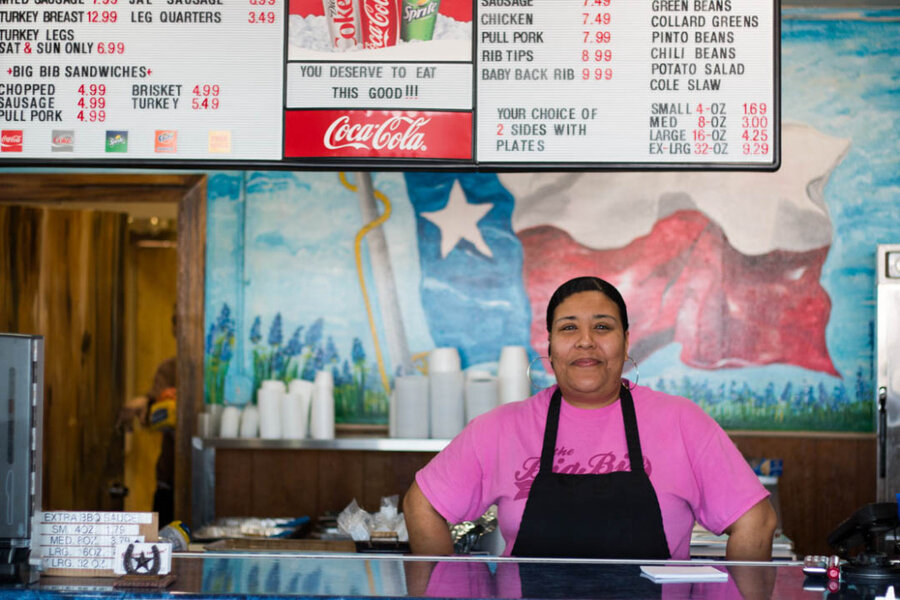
[(387, 163)]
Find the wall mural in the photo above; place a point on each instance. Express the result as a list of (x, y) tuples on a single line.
[(751, 293)]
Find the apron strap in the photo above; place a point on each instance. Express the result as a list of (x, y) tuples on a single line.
[(551, 428), (635, 454)]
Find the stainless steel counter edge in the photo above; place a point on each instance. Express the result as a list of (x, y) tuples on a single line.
[(379, 444), (482, 558)]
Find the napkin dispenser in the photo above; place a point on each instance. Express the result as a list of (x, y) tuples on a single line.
[(21, 442)]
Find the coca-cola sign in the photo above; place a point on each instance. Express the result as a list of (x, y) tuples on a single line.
[(381, 23), (395, 134)]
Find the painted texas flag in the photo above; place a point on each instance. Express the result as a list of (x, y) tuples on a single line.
[(726, 264)]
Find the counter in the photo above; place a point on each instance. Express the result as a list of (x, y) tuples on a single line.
[(252, 575)]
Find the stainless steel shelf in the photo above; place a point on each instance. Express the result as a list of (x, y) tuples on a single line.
[(356, 443)]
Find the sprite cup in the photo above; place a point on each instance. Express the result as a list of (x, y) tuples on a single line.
[(417, 18)]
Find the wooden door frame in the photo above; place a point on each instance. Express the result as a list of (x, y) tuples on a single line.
[(188, 191)]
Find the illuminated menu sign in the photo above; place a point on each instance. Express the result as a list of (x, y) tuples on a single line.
[(412, 83)]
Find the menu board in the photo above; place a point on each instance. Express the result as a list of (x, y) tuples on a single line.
[(83, 543), (484, 84)]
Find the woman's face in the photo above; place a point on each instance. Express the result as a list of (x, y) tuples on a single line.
[(588, 348)]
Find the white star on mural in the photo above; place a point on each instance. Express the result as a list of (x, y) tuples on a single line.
[(459, 221)]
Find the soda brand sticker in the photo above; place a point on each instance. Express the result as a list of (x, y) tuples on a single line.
[(11, 140), (62, 140), (165, 141), (117, 141)]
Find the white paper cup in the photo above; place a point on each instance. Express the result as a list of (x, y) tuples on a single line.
[(274, 384), (481, 395), (410, 409), (295, 409), (512, 374), (321, 414), (443, 360), (269, 400), (249, 422), (230, 424), (446, 407)]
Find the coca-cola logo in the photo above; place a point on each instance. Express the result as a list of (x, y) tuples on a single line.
[(63, 139), (379, 14), (14, 138), (398, 132)]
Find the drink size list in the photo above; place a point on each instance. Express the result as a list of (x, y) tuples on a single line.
[(492, 83), (658, 81)]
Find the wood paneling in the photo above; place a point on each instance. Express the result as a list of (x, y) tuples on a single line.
[(293, 483), (66, 282), (191, 293), (825, 479)]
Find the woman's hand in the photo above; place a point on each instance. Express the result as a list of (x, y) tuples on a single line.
[(750, 537), (428, 531)]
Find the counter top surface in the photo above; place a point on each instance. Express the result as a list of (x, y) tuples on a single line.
[(259, 575)]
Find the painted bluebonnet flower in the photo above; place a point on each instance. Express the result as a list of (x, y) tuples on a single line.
[(346, 375), (319, 359), (278, 361), (256, 330), (331, 353), (294, 347), (309, 371), (314, 334), (219, 351), (275, 334), (357, 354)]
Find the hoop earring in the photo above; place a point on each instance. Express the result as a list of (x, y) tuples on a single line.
[(528, 370), (636, 372)]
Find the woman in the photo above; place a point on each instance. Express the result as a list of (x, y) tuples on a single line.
[(593, 466)]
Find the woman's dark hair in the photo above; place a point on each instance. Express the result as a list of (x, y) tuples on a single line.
[(586, 284)]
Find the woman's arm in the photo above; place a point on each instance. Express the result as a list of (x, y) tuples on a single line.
[(428, 531), (750, 537)]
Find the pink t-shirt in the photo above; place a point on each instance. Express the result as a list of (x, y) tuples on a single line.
[(696, 470)]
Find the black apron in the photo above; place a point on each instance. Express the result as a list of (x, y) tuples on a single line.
[(615, 515)]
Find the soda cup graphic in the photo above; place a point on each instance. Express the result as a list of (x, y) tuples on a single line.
[(380, 21), (343, 23), (417, 18)]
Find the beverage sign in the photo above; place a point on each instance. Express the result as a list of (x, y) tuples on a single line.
[(501, 84)]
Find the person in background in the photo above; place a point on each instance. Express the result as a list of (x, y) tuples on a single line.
[(156, 410), (594, 466)]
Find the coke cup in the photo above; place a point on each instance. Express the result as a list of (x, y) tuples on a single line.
[(343, 23), (417, 19), (380, 23)]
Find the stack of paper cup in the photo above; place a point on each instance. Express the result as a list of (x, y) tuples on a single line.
[(230, 423), (295, 409), (512, 374), (250, 421), (269, 399), (321, 417), (410, 407), (481, 394), (443, 360), (446, 386)]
